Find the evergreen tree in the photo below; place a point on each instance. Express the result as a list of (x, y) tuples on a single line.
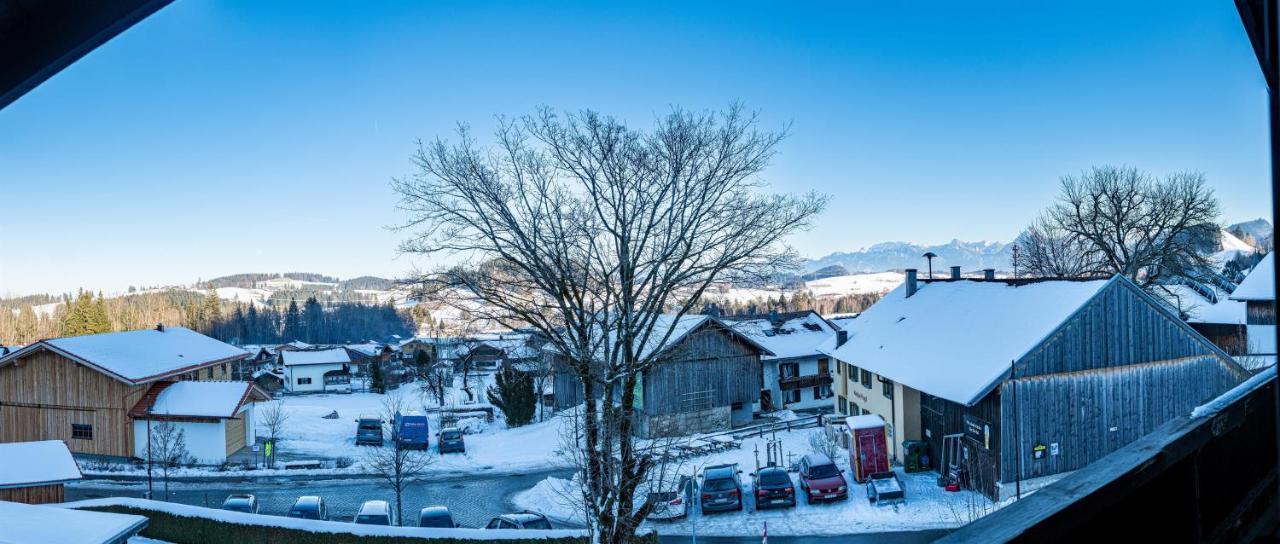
[(293, 321), (376, 382), (512, 392)]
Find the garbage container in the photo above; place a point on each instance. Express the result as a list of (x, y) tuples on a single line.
[(917, 456)]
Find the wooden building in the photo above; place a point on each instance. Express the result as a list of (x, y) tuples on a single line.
[(708, 379), (798, 376), (33, 472), (1021, 379), (1258, 292), (80, 389)]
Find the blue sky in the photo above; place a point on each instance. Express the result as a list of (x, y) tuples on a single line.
[(224, 137)]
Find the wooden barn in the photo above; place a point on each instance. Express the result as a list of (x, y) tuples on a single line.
[(80, 389), (1258, 292), (708, 380), (1022, 379), (33, 472)]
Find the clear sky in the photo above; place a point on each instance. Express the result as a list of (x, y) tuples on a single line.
[(224, 137)]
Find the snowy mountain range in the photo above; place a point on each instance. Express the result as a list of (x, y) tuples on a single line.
[(899, 255)]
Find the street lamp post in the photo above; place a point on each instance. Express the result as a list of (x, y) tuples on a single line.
[(150, 490)]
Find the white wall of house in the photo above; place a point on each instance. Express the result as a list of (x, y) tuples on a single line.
[(796, 399), (206, 442), (1262, 339), (304, 373)]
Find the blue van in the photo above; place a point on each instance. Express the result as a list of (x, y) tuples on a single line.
[(411, 430)]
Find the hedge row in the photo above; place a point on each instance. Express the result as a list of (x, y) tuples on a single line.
[(193, 530)]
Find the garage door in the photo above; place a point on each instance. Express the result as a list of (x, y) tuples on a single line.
[(235, 434)]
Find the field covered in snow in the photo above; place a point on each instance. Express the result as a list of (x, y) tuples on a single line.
[(927, 506)]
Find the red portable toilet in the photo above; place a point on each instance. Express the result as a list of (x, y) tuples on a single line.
[(869, 453)]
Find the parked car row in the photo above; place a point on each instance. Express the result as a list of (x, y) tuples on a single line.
[(721, 488), (378, 512), (411, 430)]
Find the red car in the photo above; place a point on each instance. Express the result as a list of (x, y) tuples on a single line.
[(821, 479)]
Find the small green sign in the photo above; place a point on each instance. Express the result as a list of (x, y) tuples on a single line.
[(1038, 451)]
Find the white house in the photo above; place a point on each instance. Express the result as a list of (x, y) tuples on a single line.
[(317, 371), (216, 417), (797, 376), (1258, 291)]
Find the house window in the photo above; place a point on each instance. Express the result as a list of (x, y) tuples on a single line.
[(866, 378), (788, 370), (822, 391), (304, 381), (824, 366), (791, 395), (82, 431), (844, 405), (854, 410), (886, 387)]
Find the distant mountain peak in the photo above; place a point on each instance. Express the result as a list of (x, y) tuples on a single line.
[(885, 256)]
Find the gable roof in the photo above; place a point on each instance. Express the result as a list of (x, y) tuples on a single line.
[(1198, 309), (796, 336), (27, 464), (33, 524), (139, 356), (220, 399), (315, 357), (1260, 284), (679, 329), (956, 339)]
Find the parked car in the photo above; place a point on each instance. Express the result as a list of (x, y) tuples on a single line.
[(411, 430), (885, 488), (772, 487), (821, 479), (721, 488), (523, 520), (309, 507), (451, 440), (369, 430), (241, 503), (673, 502), (375, 513), (435, 516)]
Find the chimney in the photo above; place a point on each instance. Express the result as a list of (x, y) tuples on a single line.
[(955, 272), (842, 336), (160, 327), (988, 274), (911, 282)]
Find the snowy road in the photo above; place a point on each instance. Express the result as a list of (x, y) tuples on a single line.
[(472, 500)]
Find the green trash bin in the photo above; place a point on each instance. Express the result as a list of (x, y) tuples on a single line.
[(917, 456)]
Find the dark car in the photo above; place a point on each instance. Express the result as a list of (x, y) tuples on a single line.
[(309, 507), (451, 441), (435, 516), (369, 430), (721, 488), (772, 488), (821, 479), (241, 503), (375, 513), (523, 520)]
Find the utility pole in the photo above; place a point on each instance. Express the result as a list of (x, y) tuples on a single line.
[(1017, 431), (150, 490)]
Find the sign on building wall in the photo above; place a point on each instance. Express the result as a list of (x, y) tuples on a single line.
[(978, 431)]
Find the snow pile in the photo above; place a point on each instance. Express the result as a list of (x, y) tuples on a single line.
[(31, 524), (32, 463), (148, 353), (314, 526), (201, 399), (1260, 283), (555, 498)]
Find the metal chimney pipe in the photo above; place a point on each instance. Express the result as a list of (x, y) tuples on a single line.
[(955, 272), (988, 274), (911, 282)]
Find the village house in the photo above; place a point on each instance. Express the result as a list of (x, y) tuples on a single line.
[(1012, 380), (33, 472), (316, 371), (1211, 313), (797, 376), (363, 355), (216, 417), (1258, 292), (87, 390), (708, 380)]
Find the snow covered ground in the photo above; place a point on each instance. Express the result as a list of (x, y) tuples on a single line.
[(927, 506)]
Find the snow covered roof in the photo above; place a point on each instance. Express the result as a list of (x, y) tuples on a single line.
[(865, 421), (678, 329), (1260, 284), (36, 524), (794, 337), (140, 356), (27, 464), (370, 349), (199, 399), (315, 357), (956, 339), (1198, 309)]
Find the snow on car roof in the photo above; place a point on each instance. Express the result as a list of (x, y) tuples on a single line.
[(31, 524), (865, 421), (201, 399), (140, 355), (1260, 283), (956, 339), (23, 464), (794, 337), (316, 357)]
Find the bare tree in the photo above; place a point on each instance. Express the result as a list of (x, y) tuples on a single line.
[(1114, 220), (167, 449), (396, 465), (273, 418), (589, 231)]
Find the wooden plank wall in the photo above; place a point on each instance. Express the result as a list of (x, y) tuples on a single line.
[(43, 494), (43, 394), (942, 417), (709, 359), (234, 429), (1260, 312), (1118, 327), (1078, 410)]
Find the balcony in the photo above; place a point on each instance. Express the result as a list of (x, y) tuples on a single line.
[(801, 382)]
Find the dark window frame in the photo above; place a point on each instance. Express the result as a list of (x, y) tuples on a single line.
[(865, 377), (82, 431)]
